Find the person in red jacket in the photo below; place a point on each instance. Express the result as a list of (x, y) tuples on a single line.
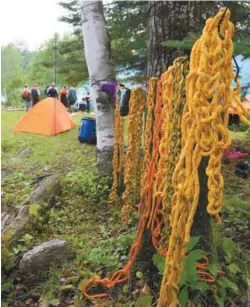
[(64, 97), (26, 97)]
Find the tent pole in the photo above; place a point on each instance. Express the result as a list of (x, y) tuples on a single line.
[(55, 59)]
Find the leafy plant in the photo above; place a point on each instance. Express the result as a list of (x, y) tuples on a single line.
[(144, 301)]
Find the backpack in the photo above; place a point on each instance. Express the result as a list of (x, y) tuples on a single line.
[(63, 92), (25, 94), (124, 104)]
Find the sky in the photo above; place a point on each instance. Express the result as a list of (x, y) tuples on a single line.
[(31, 21)]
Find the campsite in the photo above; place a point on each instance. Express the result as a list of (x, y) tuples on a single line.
[(125, 175)]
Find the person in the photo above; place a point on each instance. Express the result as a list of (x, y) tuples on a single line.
[(26, 97), (52, 91), (64, 97), (35, 95), (123, 94), (72, 98), (83, 104), (121, 90), (87, 98), (45, 92)]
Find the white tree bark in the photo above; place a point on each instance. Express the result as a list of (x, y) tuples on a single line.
[(100, 68)]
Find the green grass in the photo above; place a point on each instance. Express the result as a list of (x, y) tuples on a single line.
[(49, 155), (81, 214), (45, 149)]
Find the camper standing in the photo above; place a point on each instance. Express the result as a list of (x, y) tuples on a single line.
[(52, 91), (26, 98), (87, 98), (64, 96), (35, 95)]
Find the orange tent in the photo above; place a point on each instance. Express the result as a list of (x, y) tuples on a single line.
[(48, 117)]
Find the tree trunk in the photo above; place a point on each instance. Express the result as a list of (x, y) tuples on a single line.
[(172, 20), (102, 77)]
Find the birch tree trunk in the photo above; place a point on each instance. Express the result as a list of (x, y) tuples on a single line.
[(102, 77)]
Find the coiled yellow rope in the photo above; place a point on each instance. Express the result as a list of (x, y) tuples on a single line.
[(151, 102), (204, 133), (137, 105), (118, 154)]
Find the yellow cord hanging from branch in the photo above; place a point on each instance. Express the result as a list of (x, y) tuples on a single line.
[(118, 154), (151, 102), (137, 105), (204, 133)]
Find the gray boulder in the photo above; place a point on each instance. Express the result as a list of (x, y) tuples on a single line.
[(37, 261), (25, 152), (46, 189)]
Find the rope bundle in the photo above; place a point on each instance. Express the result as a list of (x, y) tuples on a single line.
[(204, 134), (118, 154), (132, 172)]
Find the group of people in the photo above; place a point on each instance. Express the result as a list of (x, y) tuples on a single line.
[(67, 97)]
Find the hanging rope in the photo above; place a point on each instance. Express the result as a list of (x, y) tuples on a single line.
[(118, 155), (151, 102), (122, 275), (137, 105), (204, 129)]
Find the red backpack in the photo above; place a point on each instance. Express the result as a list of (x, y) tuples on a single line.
[(26, 94), (63, 91)]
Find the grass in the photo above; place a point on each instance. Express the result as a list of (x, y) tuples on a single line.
[(49, 154), (81, 214)]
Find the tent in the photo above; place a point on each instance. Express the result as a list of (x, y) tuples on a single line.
[(48, 117), (245, 102)]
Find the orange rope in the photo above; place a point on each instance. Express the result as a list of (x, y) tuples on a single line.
[(151, 213), (146, 195)]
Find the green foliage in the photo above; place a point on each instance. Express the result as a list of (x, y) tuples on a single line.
[(14, 98), (236, 217), (112, 252), (128, 45), (183, 297), (8, 259), (90, 184), (73, 63), (159, 262), (12, 74), (144, 301), (34, 209)]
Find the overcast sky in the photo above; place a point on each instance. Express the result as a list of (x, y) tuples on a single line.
[(31, 21)]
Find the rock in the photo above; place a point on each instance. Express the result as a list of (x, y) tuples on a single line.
[(25, 152), (35, 262), (47, 188), (5, 220), (17, 224)]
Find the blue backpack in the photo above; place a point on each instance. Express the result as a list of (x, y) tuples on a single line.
[(87, 131)]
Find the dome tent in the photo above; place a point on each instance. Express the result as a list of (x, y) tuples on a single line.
[(48, 117)]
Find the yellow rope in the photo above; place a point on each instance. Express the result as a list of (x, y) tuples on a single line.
[(151, 102), (204, 133), (118, 154), (177, 101), (137, 104)]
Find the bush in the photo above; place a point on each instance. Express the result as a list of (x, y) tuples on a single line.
[(14, 98)]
